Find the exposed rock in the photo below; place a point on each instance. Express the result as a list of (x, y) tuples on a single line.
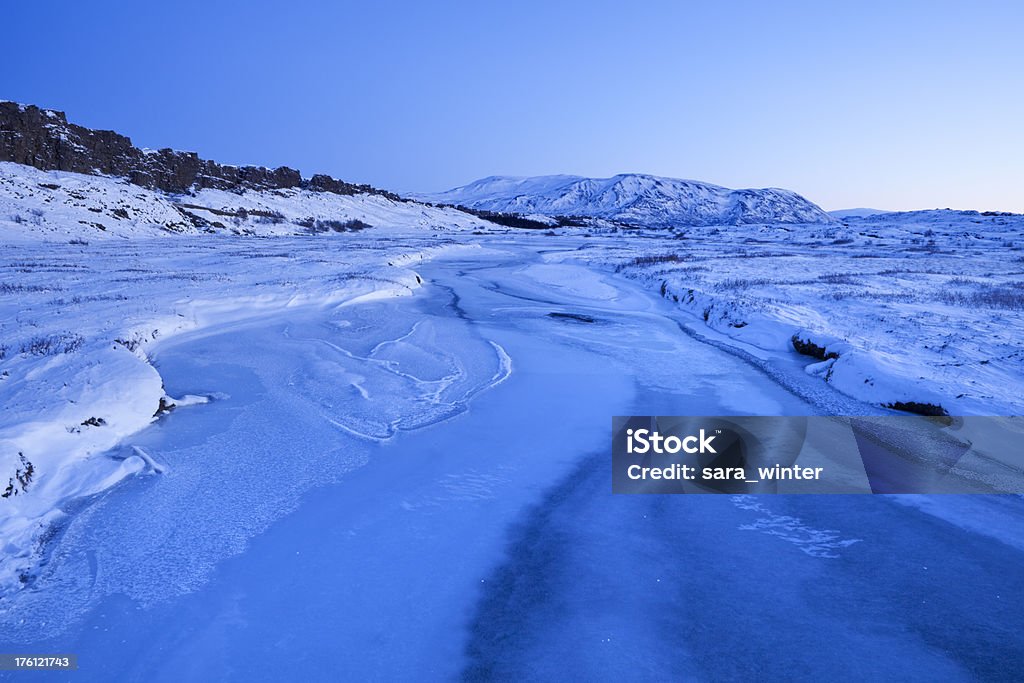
[(325, 183), (167, 405), (919, 408), (809, 348), (43, 138)]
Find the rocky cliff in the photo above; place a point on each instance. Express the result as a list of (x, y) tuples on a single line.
[(43, 138)]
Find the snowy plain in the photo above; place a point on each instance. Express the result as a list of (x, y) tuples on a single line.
[(924, 307), (390, 439)]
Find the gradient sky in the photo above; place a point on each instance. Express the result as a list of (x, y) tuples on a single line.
[(891, 105)]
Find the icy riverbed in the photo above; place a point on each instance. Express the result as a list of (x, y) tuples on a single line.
[(418, 487), (77, 322)]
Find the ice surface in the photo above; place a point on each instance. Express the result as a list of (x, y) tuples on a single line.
[(78, 322), (320, 394)]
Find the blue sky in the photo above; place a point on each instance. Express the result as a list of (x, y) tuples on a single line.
[(889, 105)]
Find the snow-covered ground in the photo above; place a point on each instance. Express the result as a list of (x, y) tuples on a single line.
[(57, 205), (923, 307), (90, 281), (420, 484), (447, 374)]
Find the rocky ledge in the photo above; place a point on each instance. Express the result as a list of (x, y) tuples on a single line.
[(43, 138)]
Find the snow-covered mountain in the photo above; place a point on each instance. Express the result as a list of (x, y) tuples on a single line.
[(634, 199), (857, 213)]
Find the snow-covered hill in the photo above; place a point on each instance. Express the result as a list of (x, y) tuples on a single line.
[(860, 212), (634, 199), (61, 205), (945, 219)]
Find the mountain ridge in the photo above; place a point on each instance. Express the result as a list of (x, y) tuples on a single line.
[(634, 198)]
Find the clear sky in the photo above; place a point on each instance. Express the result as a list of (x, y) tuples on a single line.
[(891, 105)]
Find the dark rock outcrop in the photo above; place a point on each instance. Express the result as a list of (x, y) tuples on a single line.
[(807, 347), (43, 138)]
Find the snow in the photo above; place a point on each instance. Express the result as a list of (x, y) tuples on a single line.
[(633, 199), (58, 205), (921, 307), (441, 415), (857, 213), (79, 322), (409, 422)]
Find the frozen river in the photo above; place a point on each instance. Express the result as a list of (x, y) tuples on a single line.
[(419, 488)]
